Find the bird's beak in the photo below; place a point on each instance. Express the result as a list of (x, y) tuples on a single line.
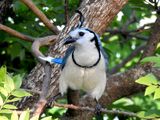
[(69, 40)]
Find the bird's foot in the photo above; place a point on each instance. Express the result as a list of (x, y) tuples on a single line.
[(98, 109), (98, 114)]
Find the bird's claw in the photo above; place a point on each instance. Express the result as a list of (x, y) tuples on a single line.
[(98, 109)]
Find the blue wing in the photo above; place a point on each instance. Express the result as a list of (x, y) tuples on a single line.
[(57, 60), (67, 54)]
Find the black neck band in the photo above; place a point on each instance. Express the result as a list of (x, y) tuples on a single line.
[(99, 57)]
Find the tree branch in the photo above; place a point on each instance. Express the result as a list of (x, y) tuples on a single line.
[(89, 109), (130, 57), (126, 33), (16, 34), (153, 40), (41, 16), (132, 33), (39, 42), (66, 11)]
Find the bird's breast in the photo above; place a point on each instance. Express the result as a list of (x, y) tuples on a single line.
[(86, 57), (83, 78)]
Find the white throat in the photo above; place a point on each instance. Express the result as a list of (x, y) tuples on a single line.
[(86, 55)]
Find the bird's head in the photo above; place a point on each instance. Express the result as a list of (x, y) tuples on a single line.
[(81, 36)]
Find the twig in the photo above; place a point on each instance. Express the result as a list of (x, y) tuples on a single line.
[(66, 11), (41, 16), (40, 106), (16, 33), (142, 27), (42, 42), (117, 112), (130, 57), (126, 33)]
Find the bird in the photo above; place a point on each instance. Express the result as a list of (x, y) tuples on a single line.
[(84, 64)]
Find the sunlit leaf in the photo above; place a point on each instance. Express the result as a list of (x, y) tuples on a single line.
[(9, 84), (6, 111), (24, 115), (1, 101), (35, 118), (147, 80), (150, 89), (3, 118), (47, 118), (157, 93), (20, 93), (9, 106), (14, 116), (17, 81), (3, 91), (13, 100)]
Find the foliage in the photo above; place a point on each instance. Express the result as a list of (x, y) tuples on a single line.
[(10, 92), (153, 87)]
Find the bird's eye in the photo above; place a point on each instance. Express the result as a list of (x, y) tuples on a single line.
[(81, 33)]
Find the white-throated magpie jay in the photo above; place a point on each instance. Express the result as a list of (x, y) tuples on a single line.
[(84, 64)]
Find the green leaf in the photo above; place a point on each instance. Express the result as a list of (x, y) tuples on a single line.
[(17, 81), (9, 84), (153, 59), (157, 93), (13, 100), (6, 111), (8, 106), (47, 118), (4, 91), (35, 117), (2, 73), (14, 116), (1, 101), (24, 115), (147, 80), (150, 89), (20, 93), (148, 115), (3, 118)]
